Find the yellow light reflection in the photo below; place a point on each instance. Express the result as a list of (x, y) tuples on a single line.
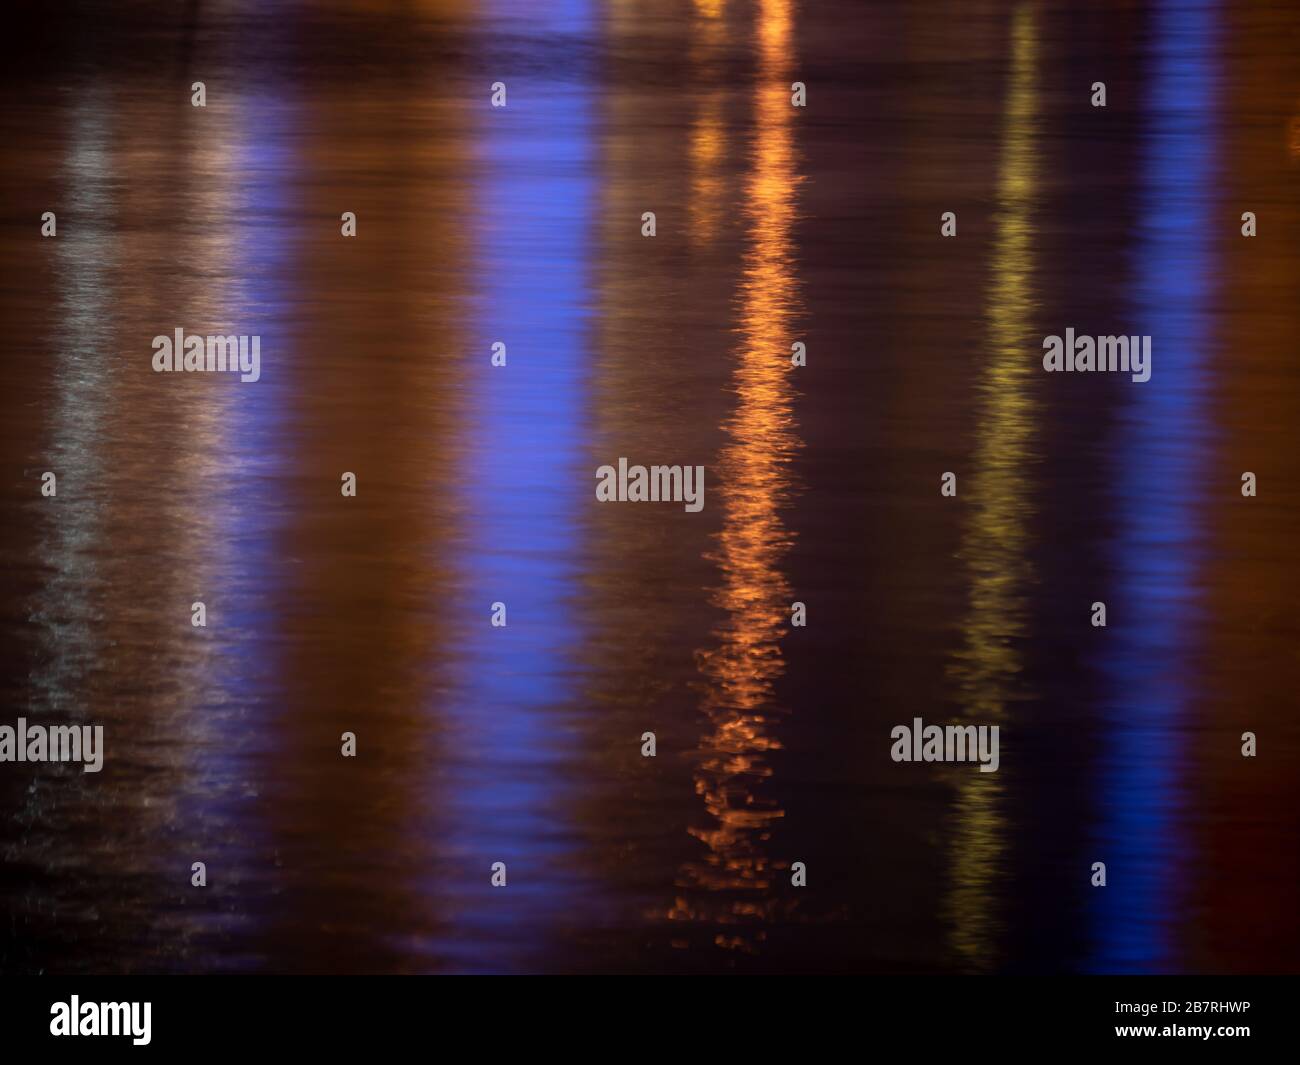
[(994, 544), (708, 134)]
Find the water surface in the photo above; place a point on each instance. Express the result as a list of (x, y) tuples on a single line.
[(522, 744)]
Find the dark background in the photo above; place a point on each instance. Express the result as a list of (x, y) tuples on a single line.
[(522, 744)]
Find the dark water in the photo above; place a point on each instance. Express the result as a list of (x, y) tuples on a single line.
[(480, 744)]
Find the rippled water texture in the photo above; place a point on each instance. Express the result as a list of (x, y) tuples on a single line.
[(775, 225)]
